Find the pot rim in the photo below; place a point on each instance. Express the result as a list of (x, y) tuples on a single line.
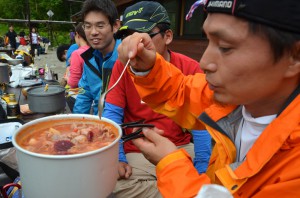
[(66, 116), (45, 95)]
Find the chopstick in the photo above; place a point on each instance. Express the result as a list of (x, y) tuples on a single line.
[(133, 135), (137, 133)]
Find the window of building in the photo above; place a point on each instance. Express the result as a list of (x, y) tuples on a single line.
[(193, 27)]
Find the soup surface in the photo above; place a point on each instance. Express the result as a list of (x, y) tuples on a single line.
[(65, 139)]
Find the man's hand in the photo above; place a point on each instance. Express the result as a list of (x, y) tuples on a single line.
[(140, 49), (124, 170), (154, 146)]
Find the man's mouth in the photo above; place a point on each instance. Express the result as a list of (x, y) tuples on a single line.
[(95, 41)]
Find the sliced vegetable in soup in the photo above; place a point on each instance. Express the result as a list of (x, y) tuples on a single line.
[(64, 139)]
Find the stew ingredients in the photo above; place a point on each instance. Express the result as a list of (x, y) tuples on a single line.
[(65, 139)]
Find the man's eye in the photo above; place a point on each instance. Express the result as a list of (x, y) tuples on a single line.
[(87, 26), (100, 26), (224, 49)]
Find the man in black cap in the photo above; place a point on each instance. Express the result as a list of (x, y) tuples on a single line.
[(248, 100), (123, 104)]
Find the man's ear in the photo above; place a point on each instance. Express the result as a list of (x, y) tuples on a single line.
[(294, 67), (168, 36), (116, 26)]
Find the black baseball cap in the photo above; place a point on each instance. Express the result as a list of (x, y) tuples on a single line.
[(280, 14), (143, 17)]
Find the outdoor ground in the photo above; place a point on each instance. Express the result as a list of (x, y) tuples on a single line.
[(51, 60)]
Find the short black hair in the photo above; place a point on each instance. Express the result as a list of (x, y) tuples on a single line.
[(22, 33), (163, 27), (60, 51), (107, 7), (280, 41)]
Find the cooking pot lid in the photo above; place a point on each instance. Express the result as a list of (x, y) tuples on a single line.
[(3, 64), (52, 89)]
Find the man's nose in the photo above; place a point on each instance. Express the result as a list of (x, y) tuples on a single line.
[(209, 59), (94, 30)]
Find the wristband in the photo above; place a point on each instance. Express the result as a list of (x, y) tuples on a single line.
[(137, 73)]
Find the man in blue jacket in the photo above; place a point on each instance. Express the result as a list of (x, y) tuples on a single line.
[(100, 22)]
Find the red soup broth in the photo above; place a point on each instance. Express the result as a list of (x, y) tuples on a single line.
[(66, 138)]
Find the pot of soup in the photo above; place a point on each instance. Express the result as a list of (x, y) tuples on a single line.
[(68, 155)]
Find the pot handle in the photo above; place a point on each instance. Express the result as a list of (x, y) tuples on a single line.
[(7, 186)]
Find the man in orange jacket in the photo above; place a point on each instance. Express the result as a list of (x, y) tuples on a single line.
[(248, 100)]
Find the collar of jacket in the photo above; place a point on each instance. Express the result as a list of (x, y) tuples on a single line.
[(104, 71), (112, 59), (280, 134), (89, 54)]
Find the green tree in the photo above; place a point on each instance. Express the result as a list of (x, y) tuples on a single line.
[(17, 9)]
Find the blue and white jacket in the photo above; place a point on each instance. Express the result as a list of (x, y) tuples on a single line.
[(95, 76)]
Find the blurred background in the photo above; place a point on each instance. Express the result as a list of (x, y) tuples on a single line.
[(54, 19)]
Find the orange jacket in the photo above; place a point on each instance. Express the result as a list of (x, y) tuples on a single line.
[(271, 167)]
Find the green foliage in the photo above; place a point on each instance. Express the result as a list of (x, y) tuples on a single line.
[(12, 9), (62, 9)]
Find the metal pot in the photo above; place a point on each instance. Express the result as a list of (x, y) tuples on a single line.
[(92, 174), (4, 73), (50, 101), (14, 61)]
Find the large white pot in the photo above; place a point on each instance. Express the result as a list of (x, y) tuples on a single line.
[(88, 175)]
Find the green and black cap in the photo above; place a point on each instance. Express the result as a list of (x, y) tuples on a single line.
[(143, 17)]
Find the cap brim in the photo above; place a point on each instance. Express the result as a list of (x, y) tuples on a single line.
[(119, 34), (137, 25)]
